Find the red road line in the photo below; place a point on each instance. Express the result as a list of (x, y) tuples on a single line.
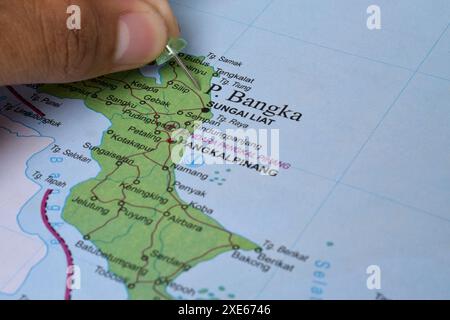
[(25, 102), (62, 242)]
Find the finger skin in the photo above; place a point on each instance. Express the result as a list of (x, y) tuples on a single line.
[(37, 46), (165, 10)]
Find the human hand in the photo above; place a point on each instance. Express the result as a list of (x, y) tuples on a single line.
[(36, 46)]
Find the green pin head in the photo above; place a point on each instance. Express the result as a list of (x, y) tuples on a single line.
[(177, 45)]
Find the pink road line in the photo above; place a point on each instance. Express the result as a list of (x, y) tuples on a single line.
[(62, 242), (25, 102)]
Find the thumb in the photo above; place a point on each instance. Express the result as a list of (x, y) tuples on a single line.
[(114, 35)]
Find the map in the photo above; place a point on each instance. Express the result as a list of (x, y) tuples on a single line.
[(313, 164)]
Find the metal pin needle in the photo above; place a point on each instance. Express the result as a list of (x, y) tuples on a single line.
[(183, 66)]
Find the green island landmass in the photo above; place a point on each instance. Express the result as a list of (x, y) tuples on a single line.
[(131, 210)]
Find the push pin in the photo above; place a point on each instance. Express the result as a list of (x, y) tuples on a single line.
[(173, 48)]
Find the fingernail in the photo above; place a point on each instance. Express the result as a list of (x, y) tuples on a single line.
[(141, 38)]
